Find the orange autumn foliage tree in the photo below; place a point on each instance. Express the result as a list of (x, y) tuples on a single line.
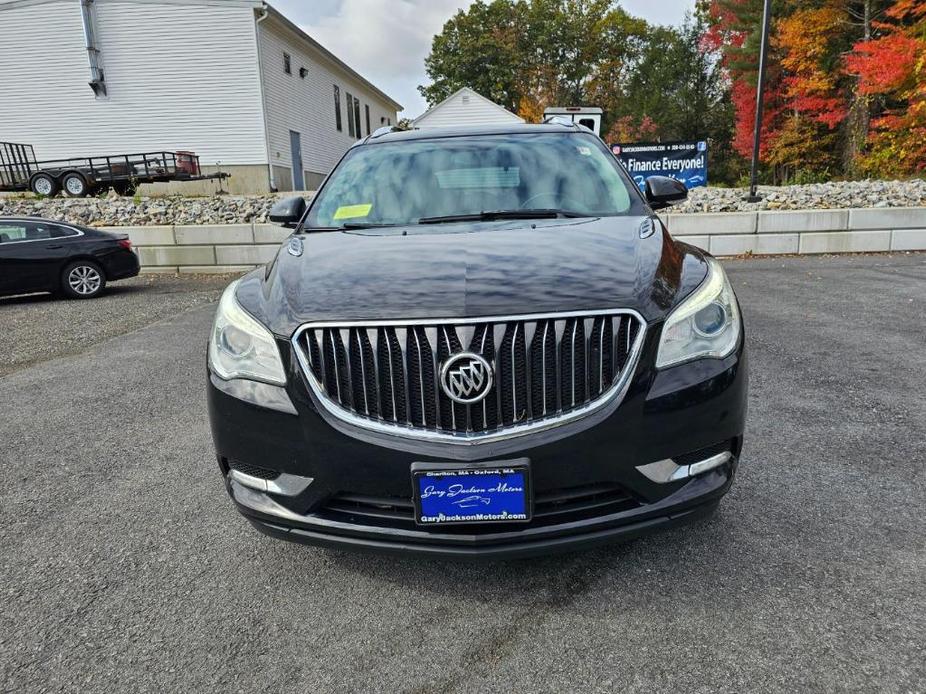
[(847, 84), (812, 87), (892, 69)]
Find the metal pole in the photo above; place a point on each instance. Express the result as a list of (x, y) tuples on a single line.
[(760, 93)]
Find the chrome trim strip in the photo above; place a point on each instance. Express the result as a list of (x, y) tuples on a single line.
[(284, 485), (665, 471), (572, 374), (709, 463), (405, 431), (466, 320), (601, 357), (514, 380)]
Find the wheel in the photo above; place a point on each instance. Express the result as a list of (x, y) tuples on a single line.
[(82, 279), (44, 184), (75, 184)]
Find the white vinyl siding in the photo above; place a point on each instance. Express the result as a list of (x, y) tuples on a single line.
[(463, 108), (180, 76), (306, 105)]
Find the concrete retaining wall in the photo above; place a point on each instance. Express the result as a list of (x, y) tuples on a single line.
[(238, 247), (209, 248), (810, 231)]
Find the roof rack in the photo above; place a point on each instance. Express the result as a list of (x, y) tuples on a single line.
[(560, 120), (384, 130)]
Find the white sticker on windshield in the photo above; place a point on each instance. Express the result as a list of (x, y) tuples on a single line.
[(585, 151)]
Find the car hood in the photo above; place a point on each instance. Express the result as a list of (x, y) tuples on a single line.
[(478, 269)]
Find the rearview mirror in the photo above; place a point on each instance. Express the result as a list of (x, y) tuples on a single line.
[(662, 191), (288, 212)]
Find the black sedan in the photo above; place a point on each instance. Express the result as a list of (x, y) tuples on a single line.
[(478, 342), (40, 255)]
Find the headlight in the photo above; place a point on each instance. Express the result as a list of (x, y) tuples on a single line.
[(706, 324), (240, 347)]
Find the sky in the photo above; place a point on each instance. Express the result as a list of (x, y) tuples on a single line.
[(387, 41)]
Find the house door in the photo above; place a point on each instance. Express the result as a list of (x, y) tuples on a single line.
[(295, 145)]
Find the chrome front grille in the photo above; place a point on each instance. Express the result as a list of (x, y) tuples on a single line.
[(547, 369)]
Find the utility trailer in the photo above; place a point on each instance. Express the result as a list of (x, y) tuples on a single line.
[(81, 176)]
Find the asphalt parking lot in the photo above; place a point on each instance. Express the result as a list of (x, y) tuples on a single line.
[(126, 568)]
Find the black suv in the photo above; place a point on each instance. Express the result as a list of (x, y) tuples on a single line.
[(478, 342)]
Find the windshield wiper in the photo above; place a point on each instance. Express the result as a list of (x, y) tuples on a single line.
[(492, 215), (363, 225)]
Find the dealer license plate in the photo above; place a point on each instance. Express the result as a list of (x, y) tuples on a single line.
[(450, 493)]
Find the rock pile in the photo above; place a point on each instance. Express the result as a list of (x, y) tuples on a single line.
[(122, 211), (817, 196)]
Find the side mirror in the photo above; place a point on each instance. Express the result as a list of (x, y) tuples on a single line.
[(662, 191), (288, 212)]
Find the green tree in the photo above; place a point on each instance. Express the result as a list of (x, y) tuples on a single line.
[(479, 48), (525, 54), (679, 91), (652, 82)]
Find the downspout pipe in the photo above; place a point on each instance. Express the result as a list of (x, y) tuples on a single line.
[(265, 12), (97, 79)]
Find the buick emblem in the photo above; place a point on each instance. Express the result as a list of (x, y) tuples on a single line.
[(466, 378)]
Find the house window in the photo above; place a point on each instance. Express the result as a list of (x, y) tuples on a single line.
[(366, 108), (287, 64), (337, 107), (357, 115), (350, 115)]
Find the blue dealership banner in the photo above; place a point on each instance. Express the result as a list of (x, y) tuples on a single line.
[(683, 161)]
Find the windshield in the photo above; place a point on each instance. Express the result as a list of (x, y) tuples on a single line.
[(427, 181)]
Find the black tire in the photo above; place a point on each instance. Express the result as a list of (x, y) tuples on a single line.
[(75, 184), (82, 279), (45, 184)]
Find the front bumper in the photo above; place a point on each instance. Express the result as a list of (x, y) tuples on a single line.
[(359, 489), (697, 500)]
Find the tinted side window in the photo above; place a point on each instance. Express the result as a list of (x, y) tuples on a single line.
[(59, 232), (39, 231), (12, 232), (32, 231)]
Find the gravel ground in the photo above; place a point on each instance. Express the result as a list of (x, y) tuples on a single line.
[(41, 326), (231, 209), (126, 568)]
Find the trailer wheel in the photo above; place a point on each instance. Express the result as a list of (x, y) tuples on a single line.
[(75, 185), (44, 184)]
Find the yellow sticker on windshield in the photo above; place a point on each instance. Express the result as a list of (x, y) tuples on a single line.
[(353, 211)]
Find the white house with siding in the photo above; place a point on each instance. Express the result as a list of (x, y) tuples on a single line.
[(234, 81), (465, 107)]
